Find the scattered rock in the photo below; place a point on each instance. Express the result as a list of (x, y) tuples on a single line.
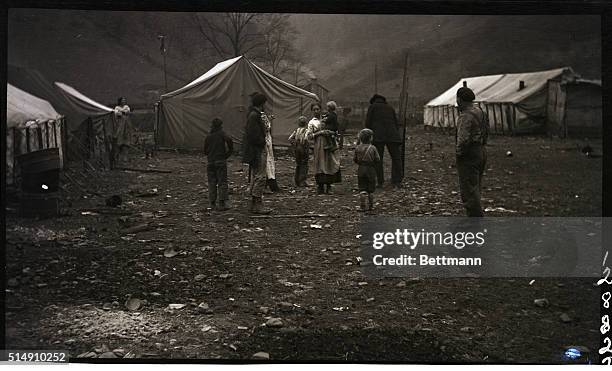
[(176, 306), (199, 277), (133, 304), (565, 318), (170, 252), (103, 349), (204, 308), (69, 342), (264, 310), (274, 322), (225, 275), (285, 306), (107, 306), (119, 352), (401, 284), (261, 356), (541, 303)]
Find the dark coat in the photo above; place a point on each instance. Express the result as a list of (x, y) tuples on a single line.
[(254, 138), (382, 120), (331, 121), (218, 146)]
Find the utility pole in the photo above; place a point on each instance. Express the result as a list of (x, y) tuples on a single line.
[(375, 78), (162, 49), (402, 113)]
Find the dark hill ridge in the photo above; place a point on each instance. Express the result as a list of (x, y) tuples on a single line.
[(443, 48), (107, 54)]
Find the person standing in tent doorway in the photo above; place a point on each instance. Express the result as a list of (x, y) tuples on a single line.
[(381, 119), (472, 132), (255, 153), (122, 135), (218, 147)]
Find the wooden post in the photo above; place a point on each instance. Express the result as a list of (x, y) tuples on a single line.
[(55, 133), (39, 137), (513, 119), (15, 146), (27, 130), (495, 118), (488, 115), (502, 113), (402, 107), (47, 132)]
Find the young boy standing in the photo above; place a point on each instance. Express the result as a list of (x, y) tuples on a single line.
[(218, 147), (367, 157), (301, 146)]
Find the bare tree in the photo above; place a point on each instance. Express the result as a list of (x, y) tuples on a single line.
[(230, 34), (278, 52), (265, 38)]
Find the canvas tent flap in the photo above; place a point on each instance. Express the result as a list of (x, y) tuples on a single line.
[(75, 110), (32, 124), (22, 107), (80, 99), (223, 92)]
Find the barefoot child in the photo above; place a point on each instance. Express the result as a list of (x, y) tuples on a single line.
[(218, 147), (366, 156), (301, 146)]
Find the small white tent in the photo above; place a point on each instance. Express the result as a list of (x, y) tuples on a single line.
[(31, 124)]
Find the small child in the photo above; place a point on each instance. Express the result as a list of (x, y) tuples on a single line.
[(330, 119), (218, 147), (367, 157), (301, 147)]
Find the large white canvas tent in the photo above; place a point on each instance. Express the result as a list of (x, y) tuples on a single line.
[(31, 124), (521, 103), (184, 115)]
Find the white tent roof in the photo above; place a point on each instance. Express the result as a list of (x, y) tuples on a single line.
[(501, 88), (75, 93), (22, 107), (222, 66)]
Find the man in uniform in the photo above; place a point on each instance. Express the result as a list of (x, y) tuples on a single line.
[(472, 132)]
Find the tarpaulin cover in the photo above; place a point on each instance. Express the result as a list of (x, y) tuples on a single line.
[(72, 107), (223, 92)]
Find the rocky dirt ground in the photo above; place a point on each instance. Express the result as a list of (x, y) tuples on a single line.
[(161, 276)]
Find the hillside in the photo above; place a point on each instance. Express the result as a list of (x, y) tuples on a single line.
[(442, 49), (108, 54)]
